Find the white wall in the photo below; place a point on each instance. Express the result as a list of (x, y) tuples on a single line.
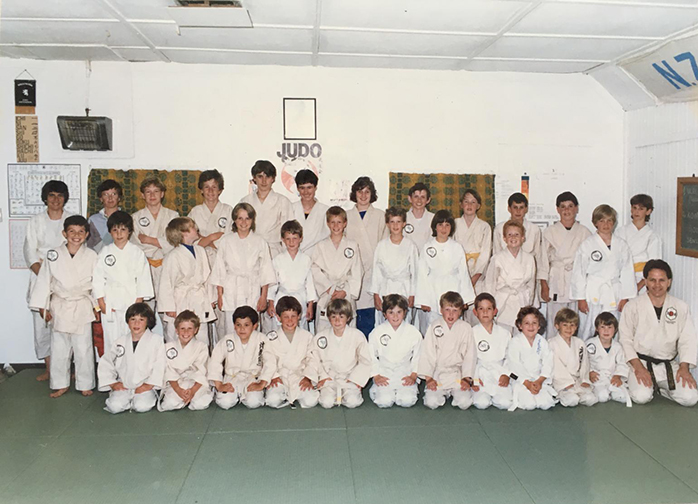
[(563, 130), (662, 145)]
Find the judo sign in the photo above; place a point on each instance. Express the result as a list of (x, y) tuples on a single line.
[(431, 252), (272, 335), (438, 331), (144, 221), (171, 353), (596, 256), (120, 351), (409, 229), (110, 260), (385, 339), (348, 252), (322, 342), (591, 348), (483, 346), (51, 255), (229, 345), (222, 222), (670, 314)]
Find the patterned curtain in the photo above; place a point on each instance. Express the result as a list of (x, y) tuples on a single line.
[(446, 190), (182, 192)]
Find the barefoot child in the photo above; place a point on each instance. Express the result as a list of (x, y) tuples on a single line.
[(491, 378), (530, 361), (448, 356), (63, 293), (609, 368), (394, 348), (340, 360), (236, 362), (286, 355), (571, 362), (134, 367), (474, 235), (185, 371)]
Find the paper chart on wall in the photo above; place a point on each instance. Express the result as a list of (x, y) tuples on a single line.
[(26, 180), (18, 233)]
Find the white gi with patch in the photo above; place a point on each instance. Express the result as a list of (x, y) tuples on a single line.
[(531, 244), (145, 223), (603, 277), (241, 365), (294, 277), (644, 245), (395, 355), (571, 369), (476, 240), (512, 282), (346, 361), (394, 270), (530, 362), (242, 267), (419, 230), (448, 356), (608, 364), (671, 338), (120, 277), (64, 286), (491, 365), (220, 220), (186, 366), (272, 213), (287, 359), (314, 225), (133, 368), (336, 268), (184, 286)]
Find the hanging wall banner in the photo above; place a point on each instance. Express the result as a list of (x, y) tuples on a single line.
[(27, 134), (25, 96), (671, 72)]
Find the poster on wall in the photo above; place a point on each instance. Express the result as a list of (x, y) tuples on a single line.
[(18, 232), (27, 136), (24, 182), (300, 119)]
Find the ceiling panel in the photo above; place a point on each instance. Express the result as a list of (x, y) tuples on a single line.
[(54, 9), (136, 53), (16, 52), (350, 61), (442, 15), (600, 19), (67, 32), (259, 39), (232, 58), (74, 53), (144, 9), (398, 43), (527, 66), (282, 12), (560, 48)]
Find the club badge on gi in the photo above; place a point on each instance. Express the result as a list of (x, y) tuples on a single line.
[(591, 348), (110, 260), (596, 256), (222, 222), (483, 346), (670, 314), (438, 331), (51, 255), (144, 221), (171, 353), (431, 252), (229, 345), (272, 335), (348, 252), (385, 339), (322, 342), (120, 351), (409, 229)]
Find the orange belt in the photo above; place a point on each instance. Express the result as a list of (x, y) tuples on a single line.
[(155, 263), (473, 256), (639, 267)]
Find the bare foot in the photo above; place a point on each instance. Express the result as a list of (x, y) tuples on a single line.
[(43, 376), (86, 393), (59, 392)]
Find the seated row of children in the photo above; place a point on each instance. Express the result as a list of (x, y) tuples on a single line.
[(480, 366)]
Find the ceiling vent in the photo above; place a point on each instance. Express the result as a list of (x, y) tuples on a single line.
[(85, 133), (210, 14)]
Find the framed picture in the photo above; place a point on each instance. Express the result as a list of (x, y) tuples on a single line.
[(300, 119)]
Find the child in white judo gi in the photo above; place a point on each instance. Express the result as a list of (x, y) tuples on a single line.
[(394, 264), (491, 381), (609, 368), (602, 275), (530, 362), (442, 268), (294, 276), (340, 359), (133, 369), (309, 211), (511, 275), (418, 226), (44, 232), (286, 356), (448, 356), (63, 295), (559, 247), (186, 384), (394, 348), (150, 225), (273, 209), (571, 362), (474, 235), (236, 362), (644, 243), (110, 193), (121, 278), (184, 279), (243, 270), (337, 270)]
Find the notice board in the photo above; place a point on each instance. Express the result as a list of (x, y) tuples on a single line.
[(687, 216)]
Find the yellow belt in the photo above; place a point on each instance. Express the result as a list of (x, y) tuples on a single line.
[(472, 256), (155, 263), (639, 267)]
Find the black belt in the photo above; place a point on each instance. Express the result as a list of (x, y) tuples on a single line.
[(667, 364)]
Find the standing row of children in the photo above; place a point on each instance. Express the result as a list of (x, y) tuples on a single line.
[(216, 271)]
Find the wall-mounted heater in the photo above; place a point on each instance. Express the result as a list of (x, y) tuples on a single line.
[(85, 133)]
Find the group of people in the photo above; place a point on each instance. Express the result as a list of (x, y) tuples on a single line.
[(280, 304)]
